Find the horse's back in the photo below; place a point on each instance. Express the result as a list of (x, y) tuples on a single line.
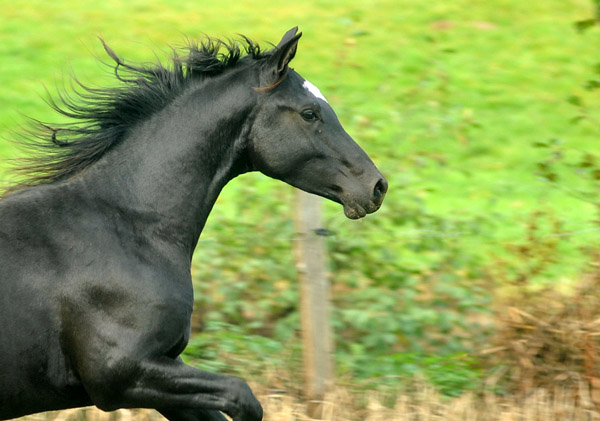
[(27, 254)]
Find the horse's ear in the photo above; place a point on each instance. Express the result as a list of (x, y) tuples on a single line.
[(285, 51)]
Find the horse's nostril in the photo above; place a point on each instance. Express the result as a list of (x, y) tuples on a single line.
[(380, 188)]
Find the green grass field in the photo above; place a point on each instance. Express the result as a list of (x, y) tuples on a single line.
[(448, 98), (463, 89)]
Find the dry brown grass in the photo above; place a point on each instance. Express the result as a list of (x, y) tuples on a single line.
[(551, 340), (423, 405)]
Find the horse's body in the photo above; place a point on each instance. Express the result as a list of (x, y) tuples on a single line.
[(95, 286)]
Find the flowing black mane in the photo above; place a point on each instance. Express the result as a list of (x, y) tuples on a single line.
[(102, 116)]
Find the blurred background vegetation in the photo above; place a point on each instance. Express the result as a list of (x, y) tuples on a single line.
[(484, 117)]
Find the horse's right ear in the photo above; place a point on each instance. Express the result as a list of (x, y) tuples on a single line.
[(277, 65)]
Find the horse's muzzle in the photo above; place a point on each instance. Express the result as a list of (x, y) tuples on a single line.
[(357, 207)]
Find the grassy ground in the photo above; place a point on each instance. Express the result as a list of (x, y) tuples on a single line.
[(449, 99)]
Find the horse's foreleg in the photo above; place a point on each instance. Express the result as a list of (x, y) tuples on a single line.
[(177, 414), (174, 388)]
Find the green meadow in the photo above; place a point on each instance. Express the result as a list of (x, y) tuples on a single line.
[(477, 113)]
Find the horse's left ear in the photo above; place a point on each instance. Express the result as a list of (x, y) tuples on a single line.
[(285, 51)]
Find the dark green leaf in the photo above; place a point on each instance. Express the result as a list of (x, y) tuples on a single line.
[(575, 100), (584, 25)]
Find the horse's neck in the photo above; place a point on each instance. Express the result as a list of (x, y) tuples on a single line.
[(170, 170)]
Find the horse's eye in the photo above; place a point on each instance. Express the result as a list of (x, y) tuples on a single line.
[(309, 115)]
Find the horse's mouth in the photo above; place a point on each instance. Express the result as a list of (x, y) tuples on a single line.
[(355, 206), (353, 210)]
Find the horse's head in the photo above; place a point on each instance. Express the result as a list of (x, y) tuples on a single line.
[(296, 137)]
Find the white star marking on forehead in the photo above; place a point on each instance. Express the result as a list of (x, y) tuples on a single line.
[(313, 90)]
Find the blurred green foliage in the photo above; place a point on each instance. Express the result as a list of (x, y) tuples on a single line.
[(456, 102)]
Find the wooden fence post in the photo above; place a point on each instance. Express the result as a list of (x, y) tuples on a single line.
[(315, 296)]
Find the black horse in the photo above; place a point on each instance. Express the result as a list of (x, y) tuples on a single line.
[(96, 243)]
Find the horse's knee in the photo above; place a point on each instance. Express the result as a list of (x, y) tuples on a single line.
[(107, 382)]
